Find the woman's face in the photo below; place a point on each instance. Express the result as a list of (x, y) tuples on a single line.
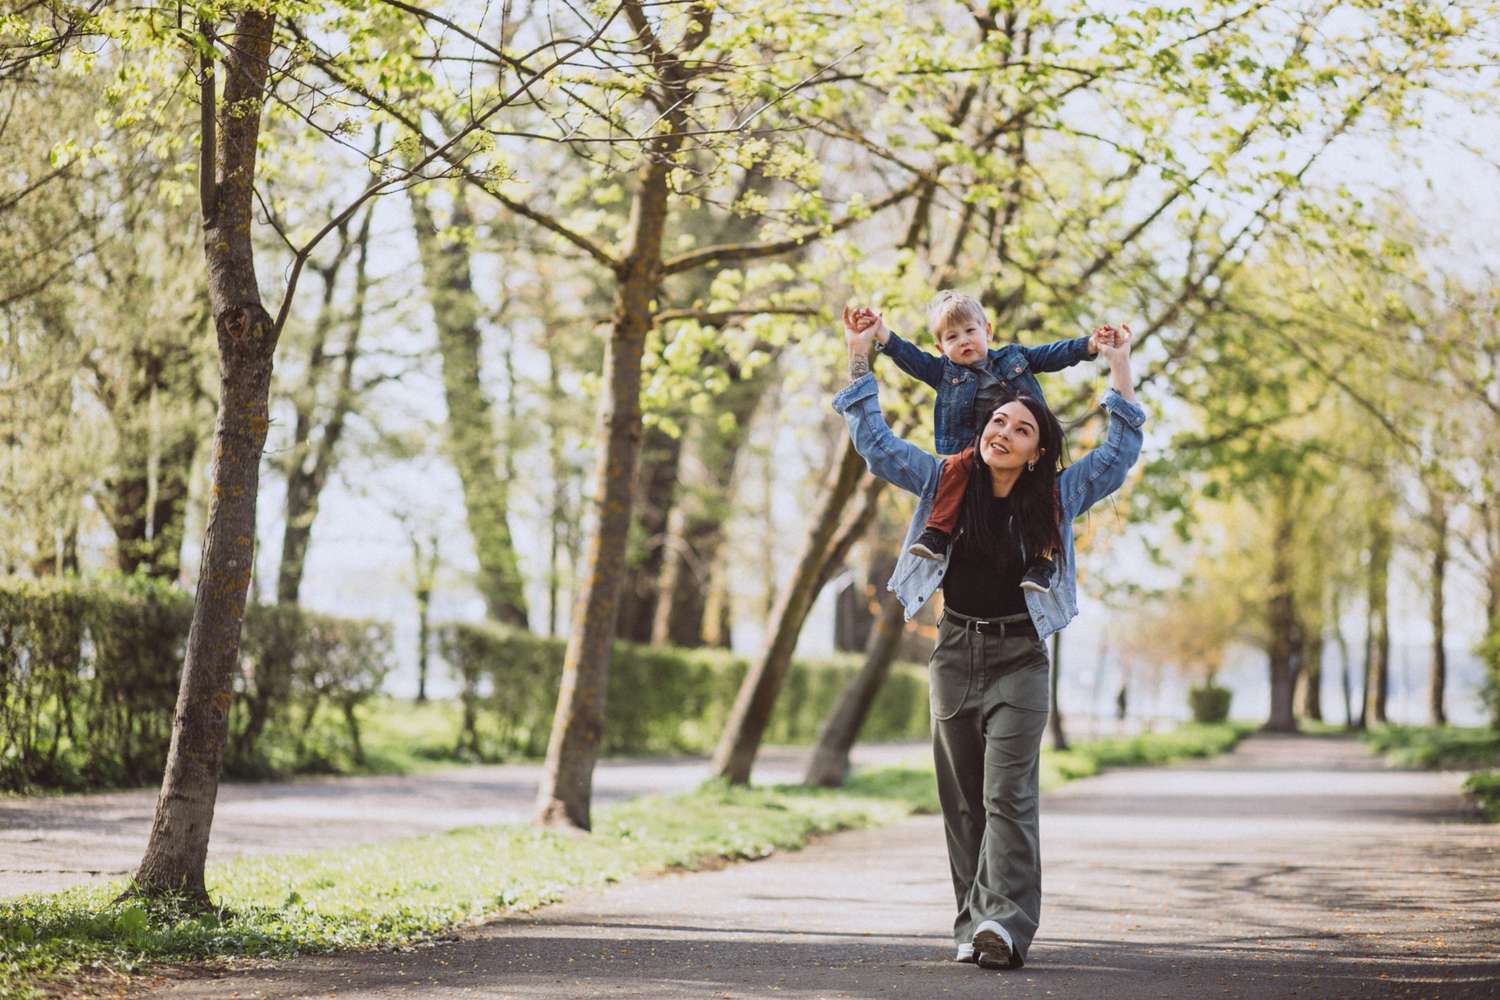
[(1010, 439)]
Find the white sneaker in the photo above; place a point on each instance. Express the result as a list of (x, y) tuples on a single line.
[(992, 946), (965, 953)]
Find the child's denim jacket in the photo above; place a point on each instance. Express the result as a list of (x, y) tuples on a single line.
[(957, 385), (1080, 486)]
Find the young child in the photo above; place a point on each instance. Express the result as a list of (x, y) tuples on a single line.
[(971, 380)]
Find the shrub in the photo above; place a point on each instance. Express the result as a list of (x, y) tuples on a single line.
[(1210, 703), (660, 699), (89, 673)]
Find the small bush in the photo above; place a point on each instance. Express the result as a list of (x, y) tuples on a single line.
[(1210, 703), (1484, 788)]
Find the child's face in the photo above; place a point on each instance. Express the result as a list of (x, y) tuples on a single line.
[(964, 341)]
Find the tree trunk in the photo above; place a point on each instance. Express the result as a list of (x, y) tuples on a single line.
[(148, 522), (1309, 700), (1055, 719), (472, 442), (1438, 677), (757, 695), (578, 726), (1378, 639), (695, 529), (656, 489), (1281, 621), (178, 845), (310, 465), (830, 760)]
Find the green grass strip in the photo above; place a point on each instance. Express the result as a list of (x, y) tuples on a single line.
[(1447, 748), (400, 891)]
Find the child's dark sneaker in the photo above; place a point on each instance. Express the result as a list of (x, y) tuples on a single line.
[(931, 544), (1038, 576)]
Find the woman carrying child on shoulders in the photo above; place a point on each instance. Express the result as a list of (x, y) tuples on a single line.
[(988, 675)]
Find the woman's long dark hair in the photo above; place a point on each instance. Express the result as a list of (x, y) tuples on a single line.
[(1034, 500)]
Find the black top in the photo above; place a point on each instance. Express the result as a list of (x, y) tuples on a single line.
[(979, 584)]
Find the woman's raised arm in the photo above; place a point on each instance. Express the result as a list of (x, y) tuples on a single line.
[(1103, 470), (898, 462)]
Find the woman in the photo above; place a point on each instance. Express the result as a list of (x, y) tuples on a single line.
[(988, 674)]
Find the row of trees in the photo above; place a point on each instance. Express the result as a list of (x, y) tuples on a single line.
[(687, 183)]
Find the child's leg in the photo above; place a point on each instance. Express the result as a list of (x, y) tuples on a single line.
[(950, 492)]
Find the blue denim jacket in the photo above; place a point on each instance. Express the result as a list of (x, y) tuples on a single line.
[(1081, 485), (956, 385)]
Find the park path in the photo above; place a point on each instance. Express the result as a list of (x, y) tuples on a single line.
[(49, 843), (1294, 867)]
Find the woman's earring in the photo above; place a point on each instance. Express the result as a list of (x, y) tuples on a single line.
[(1031, 466)]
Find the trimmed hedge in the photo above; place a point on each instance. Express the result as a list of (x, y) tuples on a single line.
[(660, 699), (1210, 703), (89, 674)]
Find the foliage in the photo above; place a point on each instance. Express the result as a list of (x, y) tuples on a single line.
[(660, 699), (1210, 702), (394, 893), (88, 682), (1484, 788), (1436, 747)]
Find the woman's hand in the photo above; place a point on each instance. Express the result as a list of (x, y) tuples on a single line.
[(859, 334), (1116, 350)]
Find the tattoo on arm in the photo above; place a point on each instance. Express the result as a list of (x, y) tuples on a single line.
[(859, 366)]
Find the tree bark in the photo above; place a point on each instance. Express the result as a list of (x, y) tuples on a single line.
[(1378, 638), (310, 465), (565, 795), (472, 442), (757, 695), (695, 529), (1281, 620), (656, 491), (830, 760), (1055, 719), (178, 845), (1437, 680), (1309, 700)]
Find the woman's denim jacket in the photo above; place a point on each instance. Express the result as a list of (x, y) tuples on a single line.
[(957, 385), (1081, 485)]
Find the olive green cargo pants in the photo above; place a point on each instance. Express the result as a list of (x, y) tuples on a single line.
[(989, 699)]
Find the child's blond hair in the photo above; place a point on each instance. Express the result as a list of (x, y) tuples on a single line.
[(949, 307)]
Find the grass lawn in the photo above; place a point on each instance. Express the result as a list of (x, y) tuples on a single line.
[(400, 891), (1448, 748)]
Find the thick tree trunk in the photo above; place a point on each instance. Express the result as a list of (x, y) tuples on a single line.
[(178, 845), (830, 760), (1378, 640), (472, 442), (656, 491), (1281, 621), (578, 726), (757, 695)]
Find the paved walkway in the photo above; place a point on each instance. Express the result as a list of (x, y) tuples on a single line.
[(1295, 867), (51, 843)]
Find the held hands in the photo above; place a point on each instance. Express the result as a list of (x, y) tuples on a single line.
[(861, 327), (1109, 335)]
